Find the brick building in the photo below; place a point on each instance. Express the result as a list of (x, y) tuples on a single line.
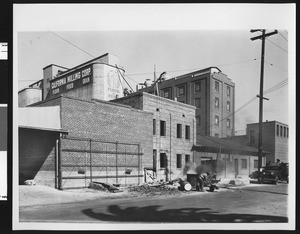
[(99, 78), (211, 92), (173, 132), (104, 124)]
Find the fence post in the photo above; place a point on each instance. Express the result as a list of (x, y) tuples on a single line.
[(117, 162), (91, 168), (139, 164)]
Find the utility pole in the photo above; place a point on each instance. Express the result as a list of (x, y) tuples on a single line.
[(260, 96)]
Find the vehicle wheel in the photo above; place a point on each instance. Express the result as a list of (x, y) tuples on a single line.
[(260, 180)]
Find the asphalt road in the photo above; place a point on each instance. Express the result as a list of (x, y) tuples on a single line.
[(261, 203)]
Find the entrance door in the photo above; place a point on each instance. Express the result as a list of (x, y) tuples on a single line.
[(236, 166)]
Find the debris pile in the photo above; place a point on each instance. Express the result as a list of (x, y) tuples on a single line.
[(155, 190)]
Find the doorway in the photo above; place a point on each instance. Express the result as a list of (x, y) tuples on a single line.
[(236, 166)]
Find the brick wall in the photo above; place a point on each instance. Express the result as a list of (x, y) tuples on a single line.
[(37, 156)]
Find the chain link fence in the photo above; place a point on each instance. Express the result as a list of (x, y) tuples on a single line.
[(82, 161)]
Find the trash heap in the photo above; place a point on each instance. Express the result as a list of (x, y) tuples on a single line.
[(155, 190)]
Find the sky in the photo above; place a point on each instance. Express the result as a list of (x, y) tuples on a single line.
[(176, 50)]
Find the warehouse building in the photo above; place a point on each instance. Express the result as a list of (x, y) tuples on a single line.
[(70, 142), (210, 91), (100, 78), (173, 133)]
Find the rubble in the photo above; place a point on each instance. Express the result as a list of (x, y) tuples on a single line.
[(162, 189), (30, 182)]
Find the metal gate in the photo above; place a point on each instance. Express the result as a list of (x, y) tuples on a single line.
[(82, 161)]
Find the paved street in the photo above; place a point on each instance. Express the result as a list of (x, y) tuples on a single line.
[(254, 203)]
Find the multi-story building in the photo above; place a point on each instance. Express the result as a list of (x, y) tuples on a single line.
[(274, 139), (211, 92), (100, 78), (174, 132)]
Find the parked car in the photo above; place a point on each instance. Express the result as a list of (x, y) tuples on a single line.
[(272, 174)]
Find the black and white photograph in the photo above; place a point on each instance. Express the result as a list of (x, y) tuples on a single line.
[(154, 117)]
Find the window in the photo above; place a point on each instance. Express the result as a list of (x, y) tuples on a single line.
[(179, 161), (163, 160), (228, 106), (179, 131), (281, 131), (228, 91), (277, 130), (198, 120), (180, 91), (244, 163), (217, 86), (217, 102), (228, 123), (163, 128), (216, 135), (197, 87), (197, 102), (154, 127), (187, 158), (255, 163), (187, 132), (287, 132), (166, 93), (284, 131), (154, 159), (216, 120)]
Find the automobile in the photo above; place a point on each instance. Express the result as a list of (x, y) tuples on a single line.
[(272, 174)]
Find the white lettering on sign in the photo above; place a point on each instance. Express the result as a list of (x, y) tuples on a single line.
[(58, 83), (75, 76), (86, 80), (55, 91), (86, 72), (70, 86)]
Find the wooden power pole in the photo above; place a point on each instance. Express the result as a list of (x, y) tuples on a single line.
[(260, 96)]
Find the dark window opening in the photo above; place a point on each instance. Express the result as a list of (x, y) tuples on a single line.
[(179, 161), (197, 87), (179, 131), (163, 128), (187, 158), (154, 127), (163, 160), (187, 132)]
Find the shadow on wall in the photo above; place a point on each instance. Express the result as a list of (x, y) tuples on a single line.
[(36, 153), (153, 214)]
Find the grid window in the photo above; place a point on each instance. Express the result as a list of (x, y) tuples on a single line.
[(163, 128), (244, 163), (198, 120), (154, 127), (197, 87), (166, 93), (277, 130), (255, 163), (187, 158), (217, 86), (281, 131), (284, 131), (197, 102), (228, 106), (216, 120), (181, 91), (228, 90), (179, 161), (163, 160), (228, 123), (187, 132), (179, 130), (217, 103)]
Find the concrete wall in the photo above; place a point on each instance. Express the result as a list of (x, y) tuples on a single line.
[(37, 156), (28, 96)]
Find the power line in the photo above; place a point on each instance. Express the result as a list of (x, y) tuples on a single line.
[(277, 45), (283, 36), (72, 44)]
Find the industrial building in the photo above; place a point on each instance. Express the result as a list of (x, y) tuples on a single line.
[(67, 142), (210, 91), (100, 78), (173, 133)]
